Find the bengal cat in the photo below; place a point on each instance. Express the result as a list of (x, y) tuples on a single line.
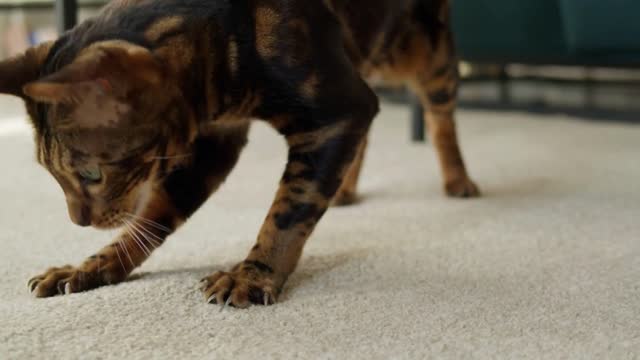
[(141, 112)]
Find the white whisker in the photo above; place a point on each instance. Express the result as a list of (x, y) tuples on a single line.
[(150, 222), (119, 258), (154, 239), (99, 264), (126, 251), (132, 232), (134, 237), (149, 236)]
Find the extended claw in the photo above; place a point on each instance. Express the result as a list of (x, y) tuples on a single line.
[(226, 303), (32, 284), (211, 299)]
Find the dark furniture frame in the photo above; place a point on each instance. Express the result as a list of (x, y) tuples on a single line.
[(66, 14)]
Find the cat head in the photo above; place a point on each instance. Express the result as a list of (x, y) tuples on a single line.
[(110, 125)]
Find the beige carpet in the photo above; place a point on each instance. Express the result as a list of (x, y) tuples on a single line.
[(545, 266)]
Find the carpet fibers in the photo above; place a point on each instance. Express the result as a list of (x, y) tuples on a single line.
[(545, 265)]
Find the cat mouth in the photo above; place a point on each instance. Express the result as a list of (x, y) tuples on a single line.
[(109, 225), (123, 216)]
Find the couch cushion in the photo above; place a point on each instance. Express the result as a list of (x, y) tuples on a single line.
[(509, 30), (599, 26)]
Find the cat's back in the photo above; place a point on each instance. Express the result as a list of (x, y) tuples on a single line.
[(371, 26)]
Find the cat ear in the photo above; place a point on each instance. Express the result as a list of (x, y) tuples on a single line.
[(105, 68), (22, 69)]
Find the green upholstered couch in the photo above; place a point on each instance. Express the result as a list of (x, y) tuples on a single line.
[(576, 32)]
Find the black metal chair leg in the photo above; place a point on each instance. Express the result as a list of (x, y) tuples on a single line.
[(417, 122), (66, 14)]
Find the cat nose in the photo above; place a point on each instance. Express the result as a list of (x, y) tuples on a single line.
[(83, 220), (80, 214)]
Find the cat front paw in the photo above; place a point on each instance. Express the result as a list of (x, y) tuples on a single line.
[(462, 188), (69, 279), (250, 282)]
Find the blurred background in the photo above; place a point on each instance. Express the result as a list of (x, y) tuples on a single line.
[(578, 57)]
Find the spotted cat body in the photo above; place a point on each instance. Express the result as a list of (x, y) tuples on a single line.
[(141, 112)]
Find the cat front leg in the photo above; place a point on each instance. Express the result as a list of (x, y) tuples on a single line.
[(323, 141)]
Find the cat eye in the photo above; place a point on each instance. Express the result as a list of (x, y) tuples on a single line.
[(92, 173)]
